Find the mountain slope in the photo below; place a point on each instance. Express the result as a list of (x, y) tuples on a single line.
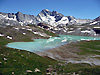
[(96, 21)]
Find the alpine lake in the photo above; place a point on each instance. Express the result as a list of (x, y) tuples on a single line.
[(39, 45)]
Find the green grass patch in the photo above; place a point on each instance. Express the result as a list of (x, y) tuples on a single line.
[(81, 69), (89, 47), (96, 57), (48, 32), (73, 67), (19, 61)]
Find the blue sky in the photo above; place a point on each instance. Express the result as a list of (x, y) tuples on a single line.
[(85, 9)]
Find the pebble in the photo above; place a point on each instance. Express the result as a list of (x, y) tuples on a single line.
[(18, 50), (12, 72), (28, 52), (26, 57), (5, 58), (1, 54), (22, 55), (37, 70), (14, 60), (28, 71)]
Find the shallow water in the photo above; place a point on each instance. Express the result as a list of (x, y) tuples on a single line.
[(45, 44)]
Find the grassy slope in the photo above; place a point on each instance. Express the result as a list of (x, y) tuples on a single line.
[(47, 32), (81, 69), (18, 61), (86, 48), (90, 47)]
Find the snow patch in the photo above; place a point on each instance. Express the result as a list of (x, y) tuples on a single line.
[(94, 22), (29, 29), (7, 24), (24, 33), (86, 31), (21, 23), (71, 28), (1, 35), (41, 34), (30, 21), (96, 27), (64, 30), (64, 20), (16, 28), (46, 9), (70, 31), (9, 37), (79, 28), (23, 28)]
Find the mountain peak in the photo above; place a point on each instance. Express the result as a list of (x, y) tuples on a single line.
[(19, 12), (46, 9), (55, 12), (97, 19), (44, 12)]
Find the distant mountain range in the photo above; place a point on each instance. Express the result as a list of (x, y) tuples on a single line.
[(45, 16)]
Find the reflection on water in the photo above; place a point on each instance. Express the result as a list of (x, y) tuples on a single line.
[(45, 44)]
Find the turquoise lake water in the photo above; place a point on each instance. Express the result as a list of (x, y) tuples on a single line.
[(45, 44)]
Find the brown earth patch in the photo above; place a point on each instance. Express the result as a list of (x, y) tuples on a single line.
[(63, 52)]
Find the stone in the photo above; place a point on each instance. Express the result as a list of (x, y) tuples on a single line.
[(37, 70), (5, 58), (12, 72), (28, 71)]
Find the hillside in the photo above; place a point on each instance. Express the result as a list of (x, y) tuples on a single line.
[(13, 61)]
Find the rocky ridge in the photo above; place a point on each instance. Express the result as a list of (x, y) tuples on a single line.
[(45, 16)]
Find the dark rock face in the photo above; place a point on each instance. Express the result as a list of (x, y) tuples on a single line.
[(58, 18), (70, 18), (54, 13), (43, 25), (46, 12), (97, 19), (11, 15), (20, 16), (57, 15), (97, 31), (3, 13), (24, 17)]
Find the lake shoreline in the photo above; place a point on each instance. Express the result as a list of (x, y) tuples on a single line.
[(69, 54)]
